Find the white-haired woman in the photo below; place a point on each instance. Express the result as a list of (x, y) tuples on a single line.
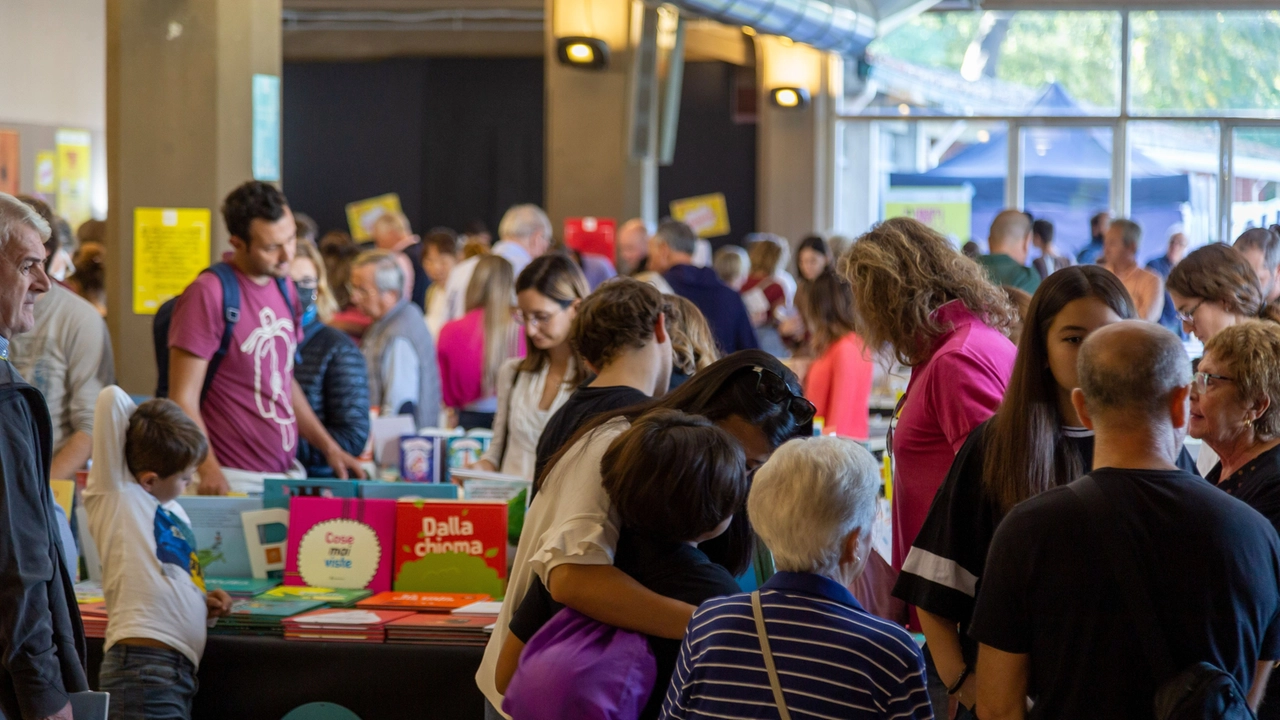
[(803, 642)]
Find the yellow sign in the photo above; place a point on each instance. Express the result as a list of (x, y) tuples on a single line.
[(74, 175), (708, 215), (949, 210), (64, 492), (46, 172), (170, 247), (362, 214)]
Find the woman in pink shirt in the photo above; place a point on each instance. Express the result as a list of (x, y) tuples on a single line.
[(473, 348), (839, 380), (938, 313)]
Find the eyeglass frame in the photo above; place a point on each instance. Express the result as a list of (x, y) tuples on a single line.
[(1189, 317), (792, 396), (528, 321), (1200, 380)]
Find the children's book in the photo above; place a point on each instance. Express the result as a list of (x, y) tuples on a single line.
[(219, 529), (451, 546), (514, 490), (277, 492), (419, 601), (241, 587), (341, 543), (333, 597), (397, 490)]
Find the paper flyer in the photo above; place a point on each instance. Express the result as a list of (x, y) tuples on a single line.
[(74, 198), (708, 215), (10, 162), (171, 247), (46, 172)]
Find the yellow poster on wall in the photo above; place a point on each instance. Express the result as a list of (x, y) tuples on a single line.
[(362, 214), (46, 172), (948, 210), (170, 247), (708, 215), (74, 175)]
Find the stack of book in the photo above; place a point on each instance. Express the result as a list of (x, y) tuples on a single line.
[(333, 597), (435, 629), (341, 625), (94, 617), (484, 608), (240, 587), (423, 602), (261, 617)]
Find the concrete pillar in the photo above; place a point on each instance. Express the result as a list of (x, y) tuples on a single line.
[(590, 166), (179, 131), (795, 146)]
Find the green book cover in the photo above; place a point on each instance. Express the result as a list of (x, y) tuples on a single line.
[(269, 610), (333, 597), (243, 587)]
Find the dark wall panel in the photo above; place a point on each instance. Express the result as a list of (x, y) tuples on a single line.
[(713, 154), (458, 139)]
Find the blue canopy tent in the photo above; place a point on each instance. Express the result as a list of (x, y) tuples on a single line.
[(1066, 179)]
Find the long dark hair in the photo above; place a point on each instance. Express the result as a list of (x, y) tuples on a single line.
[(1026, 452), (726, 388)]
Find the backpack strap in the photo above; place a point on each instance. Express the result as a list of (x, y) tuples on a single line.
[(1127, 572), (282, 283), (230, 316)]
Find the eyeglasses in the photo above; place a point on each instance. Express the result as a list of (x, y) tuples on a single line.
[(356, 291), (1201, 380), (1190, 315), (774, 388), (535, 319)]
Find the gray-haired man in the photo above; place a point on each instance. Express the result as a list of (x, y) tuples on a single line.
[(41, 639), (401, 356)]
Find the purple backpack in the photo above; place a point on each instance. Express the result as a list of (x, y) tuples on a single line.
[(576, 667)]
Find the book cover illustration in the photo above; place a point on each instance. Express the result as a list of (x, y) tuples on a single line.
[(451, 546), (220, 540), (340, 543)]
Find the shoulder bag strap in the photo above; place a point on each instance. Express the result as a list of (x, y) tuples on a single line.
[(1128, 573), (506, 425), (768, 657)]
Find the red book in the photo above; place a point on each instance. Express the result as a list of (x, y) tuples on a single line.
[(451, 546), (591, 235), (419, 601)]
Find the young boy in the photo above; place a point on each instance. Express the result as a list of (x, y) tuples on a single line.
[(157, 605)]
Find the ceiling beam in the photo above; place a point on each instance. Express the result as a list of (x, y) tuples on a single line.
[(345, 45), (1215, 5)]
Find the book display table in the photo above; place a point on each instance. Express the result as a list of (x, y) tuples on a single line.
[(263, 678)]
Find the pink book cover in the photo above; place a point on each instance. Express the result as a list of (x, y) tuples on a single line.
[(341, 543)]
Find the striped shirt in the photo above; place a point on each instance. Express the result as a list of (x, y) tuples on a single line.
[(834, 659)]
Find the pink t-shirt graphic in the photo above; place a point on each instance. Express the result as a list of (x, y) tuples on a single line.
[(249, 409)]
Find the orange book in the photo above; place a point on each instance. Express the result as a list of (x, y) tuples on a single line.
[(419, 601)]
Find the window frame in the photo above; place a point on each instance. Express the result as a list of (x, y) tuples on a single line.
[(1227, 124)]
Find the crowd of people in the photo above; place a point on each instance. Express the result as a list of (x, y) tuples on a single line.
[(1059, 549)]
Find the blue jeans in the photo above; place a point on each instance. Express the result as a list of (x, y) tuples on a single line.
[(148, 683)]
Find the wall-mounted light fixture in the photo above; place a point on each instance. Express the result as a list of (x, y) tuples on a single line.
[(587, 53), (790, 97)]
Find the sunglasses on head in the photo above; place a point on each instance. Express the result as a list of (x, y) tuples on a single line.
[(774, 388)]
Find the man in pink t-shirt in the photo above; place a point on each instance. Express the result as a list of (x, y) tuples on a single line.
[(254, 411)]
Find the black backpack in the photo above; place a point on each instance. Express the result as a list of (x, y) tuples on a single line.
[(230, 316), (1201, 691)]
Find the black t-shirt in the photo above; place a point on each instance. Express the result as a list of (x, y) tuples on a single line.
[(1210, 566), (943, 572), (1257, 484), (675, 570), (585, 403)]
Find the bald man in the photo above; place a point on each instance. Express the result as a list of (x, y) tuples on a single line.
[(633, 247), (1010, 242), (1053, 619)]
